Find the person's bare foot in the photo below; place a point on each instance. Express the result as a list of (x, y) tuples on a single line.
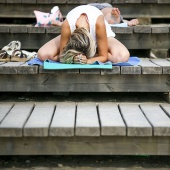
[(116, 15)]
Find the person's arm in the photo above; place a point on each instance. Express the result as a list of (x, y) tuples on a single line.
[(102, 43), (65, 35)]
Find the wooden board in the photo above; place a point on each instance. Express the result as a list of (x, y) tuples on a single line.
[(13, 123), (87, 122), (25, 9), (63, 122), (39, 120), (84, 83), (68, 119), (139, 37)]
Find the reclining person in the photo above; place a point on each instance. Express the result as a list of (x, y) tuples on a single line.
[(111, 14)]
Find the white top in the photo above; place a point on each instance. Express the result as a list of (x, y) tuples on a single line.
[(92, 14)]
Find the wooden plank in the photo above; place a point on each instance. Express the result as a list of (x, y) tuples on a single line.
[(131, 41), (158, 118), (24, 68), (131, 70), (111, 121), (114, 70), (10, 67), (25, 10), (84, 83), (111, 145), (89, 71), (13, 1), (53, 30), (166, 108), (19, 30), (137, 124), (136, 40), (50, 1), (149, 1), (34, 29), (4, 29), (122, 30), (164, 63), (142, 29), (18, 68), (63, 122), (29, 1), (40, 119), (4, 110), (87, 122), (163, 1), (149, 67), (13, 123), (123, 1), (161, 28)]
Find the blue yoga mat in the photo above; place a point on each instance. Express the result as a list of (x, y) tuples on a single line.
[(49, 64), (59, 66)]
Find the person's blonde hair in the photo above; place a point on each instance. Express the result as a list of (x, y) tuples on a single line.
[(80, 42)]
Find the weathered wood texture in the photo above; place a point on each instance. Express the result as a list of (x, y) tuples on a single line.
[(24, 9), (138, 37), (151, 75), (84, 128)]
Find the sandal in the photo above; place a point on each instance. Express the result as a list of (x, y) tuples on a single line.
[(18, 55), (13, 45), (4, 57), (30, 55)]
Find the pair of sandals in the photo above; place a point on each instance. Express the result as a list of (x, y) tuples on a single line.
[(13, 52)]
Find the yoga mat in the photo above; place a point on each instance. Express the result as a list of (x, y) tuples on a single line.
[(49, 64), (133, 61), (59, 66)]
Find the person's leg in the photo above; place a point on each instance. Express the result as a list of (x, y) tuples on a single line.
[(50, 50), (117, 51)]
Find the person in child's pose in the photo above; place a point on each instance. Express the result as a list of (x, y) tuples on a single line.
[(111, 14), (84, 38)]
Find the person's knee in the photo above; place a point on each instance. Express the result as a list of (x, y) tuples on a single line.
[(42, 55), (121, 56), (125, 55)]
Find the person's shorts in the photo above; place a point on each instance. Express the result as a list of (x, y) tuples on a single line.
[(101, 6)]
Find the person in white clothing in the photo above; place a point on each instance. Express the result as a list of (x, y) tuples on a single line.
[(84, 39)]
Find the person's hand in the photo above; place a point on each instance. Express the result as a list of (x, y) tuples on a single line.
[(133, 22), (80, 59)]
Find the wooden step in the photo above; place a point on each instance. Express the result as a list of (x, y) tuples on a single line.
[(151, 75), (129, 9), (138, 37), (65, 128)]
